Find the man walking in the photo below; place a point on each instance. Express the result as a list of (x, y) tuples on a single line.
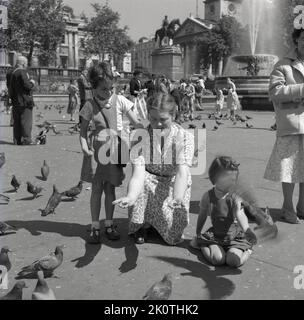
[(20, 91), (84, 88)]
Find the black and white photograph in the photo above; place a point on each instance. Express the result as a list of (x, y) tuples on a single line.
[(151, 150)]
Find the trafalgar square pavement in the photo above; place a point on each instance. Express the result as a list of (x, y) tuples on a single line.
[(123, 270)]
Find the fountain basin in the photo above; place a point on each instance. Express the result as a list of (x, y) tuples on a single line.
[(251, 74)]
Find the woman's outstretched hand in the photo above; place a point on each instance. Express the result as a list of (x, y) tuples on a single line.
[(124, 202)]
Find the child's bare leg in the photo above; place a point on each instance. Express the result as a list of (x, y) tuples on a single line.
[(97, 190), (236, 257), (214, 254)]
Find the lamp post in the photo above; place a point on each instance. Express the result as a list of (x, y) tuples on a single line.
[(3, 42)]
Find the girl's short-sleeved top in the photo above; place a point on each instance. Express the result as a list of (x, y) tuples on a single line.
[(117, 107), (178, 149)]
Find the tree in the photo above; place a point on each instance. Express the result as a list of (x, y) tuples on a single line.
[(104, 34), (221, 41), (36, 26)]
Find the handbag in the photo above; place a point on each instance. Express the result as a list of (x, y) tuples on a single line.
[(119, 144)]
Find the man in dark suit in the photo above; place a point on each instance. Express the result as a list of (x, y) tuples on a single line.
[(20, 88), (151, 85), (135, 84)]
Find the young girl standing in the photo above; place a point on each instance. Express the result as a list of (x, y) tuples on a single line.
[(219, 104), (105, 110), (229, 240), (233, 103)]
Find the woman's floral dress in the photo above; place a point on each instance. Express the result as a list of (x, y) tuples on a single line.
[(152, 206)]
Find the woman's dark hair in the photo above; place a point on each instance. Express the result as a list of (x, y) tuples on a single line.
[(162, 102), (136, 73), (296, 35), (221, 164), (101, 73)]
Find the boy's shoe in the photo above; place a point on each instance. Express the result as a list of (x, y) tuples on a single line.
[(112, 233), (94, 237)]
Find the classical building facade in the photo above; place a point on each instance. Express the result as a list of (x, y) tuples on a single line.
[(142, 54), (194, 27)]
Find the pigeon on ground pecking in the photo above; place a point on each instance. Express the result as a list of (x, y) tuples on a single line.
[(34, 190), (15, 183), (47, 264), (160, 290), (73, 192), (4, 228), (52, 204), (4, 258), (42, 290)]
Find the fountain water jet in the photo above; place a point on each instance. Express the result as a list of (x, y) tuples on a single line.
[(251, 70)]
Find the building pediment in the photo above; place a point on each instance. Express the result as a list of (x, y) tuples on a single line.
[(193, 26)]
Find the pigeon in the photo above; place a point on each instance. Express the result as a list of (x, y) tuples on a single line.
[(52, 204), (2, 159), (15, 183), (42, 290), (160, 290), (55, 130), (16, 292), (39, 116), (45, 171), (204, 126), (4, 199), (41, 137), (192, 126), (199, 117), (47, 264), (215, 128), (46, 107), (209, 116), (218, 123), (249, 126), (34, 190), (73, 192), (242, 119), (248, 118), (274, 127), (4, 227), (4, 258)]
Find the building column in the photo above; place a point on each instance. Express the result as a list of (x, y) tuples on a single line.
[(76, 48), (71, 50), (220, 67)]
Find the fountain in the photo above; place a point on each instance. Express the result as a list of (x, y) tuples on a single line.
[(250, 70)]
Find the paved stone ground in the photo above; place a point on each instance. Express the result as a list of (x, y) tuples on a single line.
[(121, 270)]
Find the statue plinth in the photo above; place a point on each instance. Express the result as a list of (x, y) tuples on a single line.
[(167, 61)]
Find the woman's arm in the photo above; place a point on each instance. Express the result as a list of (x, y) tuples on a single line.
[(135, 187), (279, 91), (181, 182), (137, 180)]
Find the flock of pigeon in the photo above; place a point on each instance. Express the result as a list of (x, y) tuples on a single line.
[(45, 266), (219, 121)]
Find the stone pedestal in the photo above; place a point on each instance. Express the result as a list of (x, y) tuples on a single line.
[(168, 61)]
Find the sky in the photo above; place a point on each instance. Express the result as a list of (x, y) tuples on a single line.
[(143, 17)]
